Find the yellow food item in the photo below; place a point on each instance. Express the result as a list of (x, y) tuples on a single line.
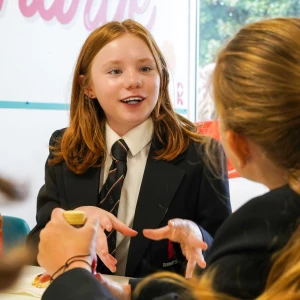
[(45, 282), (75, 217)]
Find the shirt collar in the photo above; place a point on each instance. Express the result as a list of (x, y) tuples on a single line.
[(136, 139)]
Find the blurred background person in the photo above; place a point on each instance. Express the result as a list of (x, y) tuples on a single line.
[(12, 263)]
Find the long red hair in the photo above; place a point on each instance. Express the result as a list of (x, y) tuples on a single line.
[(83, 143)]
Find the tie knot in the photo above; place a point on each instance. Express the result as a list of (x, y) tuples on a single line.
[(119, 150)]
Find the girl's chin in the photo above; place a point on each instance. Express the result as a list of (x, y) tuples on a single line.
[(121, 128)]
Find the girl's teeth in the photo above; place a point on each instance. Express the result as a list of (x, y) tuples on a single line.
[(133, 102)]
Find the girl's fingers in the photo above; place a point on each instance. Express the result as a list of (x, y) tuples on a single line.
[(157, 234), (196, 241), (191, 264), (122, 228)]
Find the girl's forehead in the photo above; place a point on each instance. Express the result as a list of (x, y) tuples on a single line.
[(124, 47)]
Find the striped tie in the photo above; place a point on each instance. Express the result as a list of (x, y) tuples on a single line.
[(109, 196)]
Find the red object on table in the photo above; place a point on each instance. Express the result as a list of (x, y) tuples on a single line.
[(211, 128)]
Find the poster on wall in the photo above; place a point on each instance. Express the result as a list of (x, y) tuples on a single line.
[(40, 41)]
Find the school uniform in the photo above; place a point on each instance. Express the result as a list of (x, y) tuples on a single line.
[(181, 188)]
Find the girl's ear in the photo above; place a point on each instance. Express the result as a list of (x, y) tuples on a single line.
[(239, 145), (88, 91)]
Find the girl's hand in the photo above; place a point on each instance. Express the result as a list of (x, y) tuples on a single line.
[(188, 235), (109, 222)]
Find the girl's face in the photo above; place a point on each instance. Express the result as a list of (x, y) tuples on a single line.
[(125, 80)]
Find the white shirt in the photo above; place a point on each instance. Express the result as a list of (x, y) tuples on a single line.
[(138, 141)]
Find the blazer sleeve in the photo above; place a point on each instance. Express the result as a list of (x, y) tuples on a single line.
[(214, 205), (77, 284), (47, 200)]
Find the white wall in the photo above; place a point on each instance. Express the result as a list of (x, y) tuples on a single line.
[(242, 190), (37, 57), (24, 139)]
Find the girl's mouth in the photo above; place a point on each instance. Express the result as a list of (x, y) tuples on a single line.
[(133, 100)]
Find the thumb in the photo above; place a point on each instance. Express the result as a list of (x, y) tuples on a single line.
[(92, 225), (197, 242), (157, 234)]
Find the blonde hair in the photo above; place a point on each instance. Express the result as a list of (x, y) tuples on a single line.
[(256, 88), (83, 143), (194, 288)]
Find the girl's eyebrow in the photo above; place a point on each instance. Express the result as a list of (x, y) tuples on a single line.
[(112, 62), (118, 62), (150, 59)]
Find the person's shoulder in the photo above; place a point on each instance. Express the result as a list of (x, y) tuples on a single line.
[(279, 199), (207, 142), (208, 150), (58, 133), (281, 193), (257, 222)]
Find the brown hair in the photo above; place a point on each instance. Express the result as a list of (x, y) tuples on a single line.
[(83, 142), (257, 91)]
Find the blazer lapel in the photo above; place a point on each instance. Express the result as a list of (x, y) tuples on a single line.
[(159, 184), (82, 190)]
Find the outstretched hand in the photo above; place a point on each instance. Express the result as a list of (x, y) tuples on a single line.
[(188, 235), (109, 222)]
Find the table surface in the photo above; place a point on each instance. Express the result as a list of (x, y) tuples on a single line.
[(23, 289)]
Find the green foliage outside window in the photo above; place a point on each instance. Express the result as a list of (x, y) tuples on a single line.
[(220, 20)]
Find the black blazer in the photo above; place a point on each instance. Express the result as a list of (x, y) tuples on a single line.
[(182, 188), (243, 247)]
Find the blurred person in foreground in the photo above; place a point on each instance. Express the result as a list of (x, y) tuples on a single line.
[(12, 263)]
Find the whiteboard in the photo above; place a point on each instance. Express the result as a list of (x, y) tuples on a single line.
[(41, 39)]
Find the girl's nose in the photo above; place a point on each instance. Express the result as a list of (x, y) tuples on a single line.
[(133, 80)]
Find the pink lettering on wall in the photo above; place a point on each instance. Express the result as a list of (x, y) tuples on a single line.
[(179, 93), (135, 9), (1, 2), (55, 10), (65, 15)]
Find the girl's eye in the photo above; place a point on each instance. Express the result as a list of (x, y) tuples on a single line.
[(115, 72), (146, 69)]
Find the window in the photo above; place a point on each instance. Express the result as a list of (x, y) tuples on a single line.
[(219, 21)]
